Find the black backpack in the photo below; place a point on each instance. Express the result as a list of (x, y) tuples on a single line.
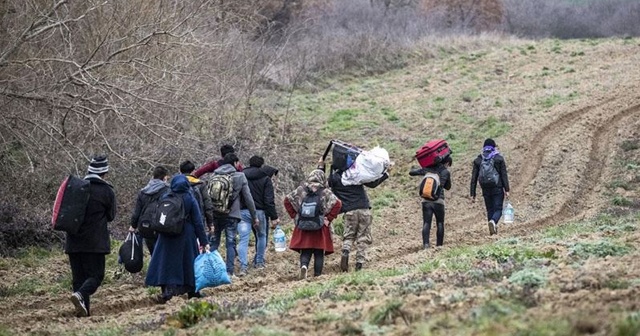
[(310, 216), (170, 215), (148, 215), (71, 204), (488, 175)]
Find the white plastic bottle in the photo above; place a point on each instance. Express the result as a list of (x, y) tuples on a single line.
[(279, 239), (508, 213)]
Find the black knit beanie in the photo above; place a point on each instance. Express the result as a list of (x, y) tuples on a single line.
[(99, 165), (489, 142)]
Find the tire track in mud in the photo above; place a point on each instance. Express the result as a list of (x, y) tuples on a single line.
[(573, 205)]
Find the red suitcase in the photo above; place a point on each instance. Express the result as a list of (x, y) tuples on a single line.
[(432, 152)]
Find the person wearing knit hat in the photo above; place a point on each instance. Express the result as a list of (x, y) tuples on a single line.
[(490, 169), (88, 247)]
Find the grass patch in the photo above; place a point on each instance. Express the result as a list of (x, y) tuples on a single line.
[(503, 253), (338, 226), (264, 331), (429, 266), (153, 291), (324, 317), (354, 279), (529, 277), (492, 127), (192, 313), (343, 120), (617, 284), (350, 296), (621, 201), (599, 249), (108, 331), (384, 199), (387, 313), (630, 325), (629, 145)]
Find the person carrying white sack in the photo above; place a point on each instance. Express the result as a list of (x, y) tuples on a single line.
[(356, 208), (369, 166)]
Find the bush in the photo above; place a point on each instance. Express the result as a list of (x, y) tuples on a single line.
[(529, 278), (599, 249)]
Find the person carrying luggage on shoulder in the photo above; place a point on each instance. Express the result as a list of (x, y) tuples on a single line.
[(490, 170), (146, 202), (88, 247), (312, 206), (211, 166), (436, 180), (356, 211)]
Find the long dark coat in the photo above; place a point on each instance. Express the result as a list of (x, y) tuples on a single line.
[(173, 256)]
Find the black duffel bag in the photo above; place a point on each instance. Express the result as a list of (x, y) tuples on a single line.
[(131, 254)]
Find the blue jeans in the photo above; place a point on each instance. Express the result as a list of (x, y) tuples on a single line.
[(227, 224), (244, 231), (493, 202)]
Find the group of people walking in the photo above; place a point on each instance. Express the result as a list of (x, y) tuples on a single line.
[(248, 206)]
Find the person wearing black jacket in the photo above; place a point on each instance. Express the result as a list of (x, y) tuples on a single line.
[(490, 169), (357, 216), (437, 207), (148, 196), (259, 177), (88, 247)]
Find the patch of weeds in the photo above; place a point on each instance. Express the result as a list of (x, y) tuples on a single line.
[(629, 145), (153, 291), (264, 331), (358, 278), (388, 312), (620, 184), (470, 96), (617, 284), (5, 331), (324, 317), (389, 114), (529, 277), (564, 231), (349, 328), (192, 313), (551, 101), (621, 201), (495, 309), (338, 226), (599, 249), (509, 241), (342, 120), (108, 331), (429, 266), (492, 127), (630, 325), (458, 264), (307, 292), (350, 296), (385, 199), (391, 272), (577, 53), (413, 286), (546, 327), (26, 286)]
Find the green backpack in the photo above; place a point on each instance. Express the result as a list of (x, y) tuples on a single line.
[(221, 192)]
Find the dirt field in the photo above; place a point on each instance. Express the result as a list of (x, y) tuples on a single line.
[(565, 114)]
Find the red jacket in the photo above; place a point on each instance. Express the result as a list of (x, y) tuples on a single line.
[(209, 167)]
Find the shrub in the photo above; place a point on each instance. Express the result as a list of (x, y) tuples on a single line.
[(529, 278), (599, 249), (628, 326)]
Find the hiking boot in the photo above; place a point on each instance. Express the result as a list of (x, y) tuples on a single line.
[(492, 228), (78, 301), (358, 266), (344, 263), (303, 272)]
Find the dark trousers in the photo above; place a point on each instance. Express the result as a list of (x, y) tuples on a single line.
[(318, 259), (229, 225), (428, 210), (493, 202), (87, 270)]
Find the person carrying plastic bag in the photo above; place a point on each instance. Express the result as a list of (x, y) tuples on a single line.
[(210, 270)]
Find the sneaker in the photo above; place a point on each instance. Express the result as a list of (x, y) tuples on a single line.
[(358, 266), (303, 272), (492, 228), (426, 246), (243, 272), (259, 266), (78, 302), (344, 263)]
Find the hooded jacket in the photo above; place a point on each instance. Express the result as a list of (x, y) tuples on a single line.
[(261, 187), (501, 167), (93, 235), (201, 194), (151, 192), (241, 192)]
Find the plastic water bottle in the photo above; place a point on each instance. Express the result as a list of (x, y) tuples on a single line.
[(508, 213), (279, 240)]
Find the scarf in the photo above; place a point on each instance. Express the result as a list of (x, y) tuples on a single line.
[(315, 181), (488, 152)]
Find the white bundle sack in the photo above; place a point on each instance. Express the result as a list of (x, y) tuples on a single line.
[(369, 166)]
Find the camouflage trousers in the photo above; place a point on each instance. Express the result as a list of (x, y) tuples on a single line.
[(357, 229)]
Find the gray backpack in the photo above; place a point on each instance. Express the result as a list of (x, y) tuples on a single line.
[(488, 176)]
